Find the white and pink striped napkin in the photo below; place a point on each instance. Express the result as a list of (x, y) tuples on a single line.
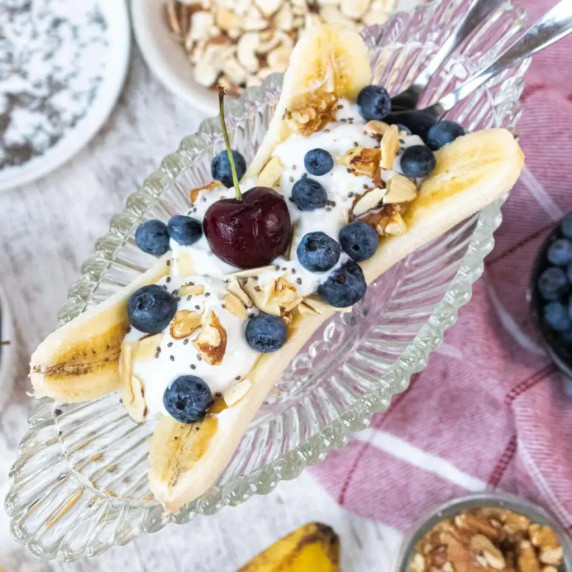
[(490, 410)]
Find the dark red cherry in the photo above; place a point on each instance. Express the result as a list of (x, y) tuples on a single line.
[(250, 232)]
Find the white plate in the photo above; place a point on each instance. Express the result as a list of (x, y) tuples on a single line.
[(166, 58), (117, 17), (6, 352)]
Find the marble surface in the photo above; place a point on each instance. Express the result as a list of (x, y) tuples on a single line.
[(47, 229)]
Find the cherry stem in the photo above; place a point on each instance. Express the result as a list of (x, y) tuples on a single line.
[(221, 94)]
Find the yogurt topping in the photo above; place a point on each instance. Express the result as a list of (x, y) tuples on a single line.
[(178, 357), (175, 357)]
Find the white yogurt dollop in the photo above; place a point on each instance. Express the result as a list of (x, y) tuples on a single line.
[(176, 357)]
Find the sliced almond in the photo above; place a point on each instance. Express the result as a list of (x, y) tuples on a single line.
[(354, 8), (400, 189), (262, 297), (234, 71), (226, 19), (236, 392), (211, 341), (278, 58), (184, 323), (250, 272), (268, 7), (183, 264), (253, 20), (362, 160), (201, 23), (191, 290), (284, 19), (147, 347), (133, 396), (235, 306), (368, 201), (376, 128), (285, 293), (205, 73), (316, 304), (389, 147), (234, 287), (246, 51), (126, 361)]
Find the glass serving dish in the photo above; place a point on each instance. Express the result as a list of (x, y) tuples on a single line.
[(492, 499), (80, 483)]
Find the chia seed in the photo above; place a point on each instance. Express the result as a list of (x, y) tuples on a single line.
[(172, 358)]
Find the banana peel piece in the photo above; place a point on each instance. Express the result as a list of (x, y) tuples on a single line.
[(313, 547), (80, 360)]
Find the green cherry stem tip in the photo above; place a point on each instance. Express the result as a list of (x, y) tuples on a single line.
[(221, 94)]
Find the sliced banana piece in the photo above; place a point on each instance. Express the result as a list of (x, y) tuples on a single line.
[(327, 58), (80, 360)]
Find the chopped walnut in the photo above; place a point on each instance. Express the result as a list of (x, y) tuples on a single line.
[(386, 221), (477, 540), (314, 114), (211, 341), (362, 161)]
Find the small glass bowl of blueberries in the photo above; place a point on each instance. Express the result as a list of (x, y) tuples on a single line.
[(551, 294)]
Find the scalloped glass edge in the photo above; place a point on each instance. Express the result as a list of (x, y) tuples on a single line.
[(336, 434)]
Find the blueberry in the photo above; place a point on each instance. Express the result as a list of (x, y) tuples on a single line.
[(560, 252), (556, 316), (552, 284), (184, 229), (373, 102), (359, 240), (318, 252), (344, 287), (308, 194), (151, 308), (265, 333), (187, 399), (443, 133), (418, 122), (417, 161), (152, 237), (566, 225), (318, 162), (220, 167)]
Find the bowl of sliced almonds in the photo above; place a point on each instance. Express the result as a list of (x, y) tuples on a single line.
[(194, 45)]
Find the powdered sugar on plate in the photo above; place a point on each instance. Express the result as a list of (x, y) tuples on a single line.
[(58, 59)]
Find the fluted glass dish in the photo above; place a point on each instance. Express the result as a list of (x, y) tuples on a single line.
[(80, 483)]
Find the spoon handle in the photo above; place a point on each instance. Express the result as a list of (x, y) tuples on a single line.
[(478, 12), (555, 24)]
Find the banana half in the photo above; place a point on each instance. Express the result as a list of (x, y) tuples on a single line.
[(80, 360)]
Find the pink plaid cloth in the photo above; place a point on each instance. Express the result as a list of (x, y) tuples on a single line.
[(490, 410)]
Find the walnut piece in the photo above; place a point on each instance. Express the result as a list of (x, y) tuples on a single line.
[(313, 114), (362, 161), (386, 221)]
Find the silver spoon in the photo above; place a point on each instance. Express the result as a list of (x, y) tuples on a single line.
[(553, 26), (409, 98)]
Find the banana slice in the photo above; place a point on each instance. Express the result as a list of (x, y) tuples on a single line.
[(80, 360), (313, 546), (327, 58)]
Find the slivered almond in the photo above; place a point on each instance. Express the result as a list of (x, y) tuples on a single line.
[(389, 147), (376, 128), (136, 404), (191, 290), (236, 392), (368, 201), (184, 264), (184, 323), (271, 173), (400, 189), (147, 347), (261, 296), (211, 341), (235, 306), (234, 287)]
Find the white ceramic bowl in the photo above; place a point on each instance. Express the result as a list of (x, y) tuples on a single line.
[(165, 57), (117, 17)]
